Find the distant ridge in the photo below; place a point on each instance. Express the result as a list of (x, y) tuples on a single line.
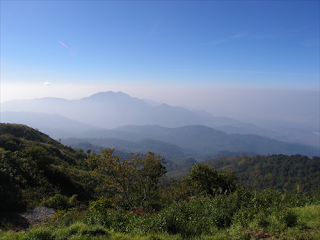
[(56, 126), (196, 140), (279, 172), (108, 110)]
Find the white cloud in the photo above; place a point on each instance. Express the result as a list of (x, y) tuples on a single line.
[(47, 83)]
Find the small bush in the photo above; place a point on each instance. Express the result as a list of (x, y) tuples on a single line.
[(101, 205), (39, 234), (116, 220), (60, 202)]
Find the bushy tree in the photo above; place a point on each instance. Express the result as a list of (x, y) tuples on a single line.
[(203, 180), (36, 154), (134, 182), (210, 181)]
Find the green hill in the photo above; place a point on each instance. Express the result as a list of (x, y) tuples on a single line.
[(17, 137), (34, 167), (38, 171), (278, 172)]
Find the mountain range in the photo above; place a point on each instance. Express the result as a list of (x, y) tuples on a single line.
[(62, 118), (110, 110), (189, 140), (118, 115)]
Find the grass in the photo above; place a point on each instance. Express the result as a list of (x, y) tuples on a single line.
[(306, 227), (79, 231), (310, 215), (308, 223)]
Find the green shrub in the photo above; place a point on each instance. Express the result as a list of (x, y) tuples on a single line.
[(42, 233), (101, 205), (60, 202), (114, 219)]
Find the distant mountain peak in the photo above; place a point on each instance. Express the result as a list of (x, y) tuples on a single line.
[(114, 98), (108, 93), (101, 96), (164, 105)]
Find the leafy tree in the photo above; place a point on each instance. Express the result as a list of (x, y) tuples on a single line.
[(37, 155), (134, 182), (204, 180), (10, 195), (211, 181)]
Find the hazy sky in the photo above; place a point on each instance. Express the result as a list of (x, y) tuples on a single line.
[(148, 49)]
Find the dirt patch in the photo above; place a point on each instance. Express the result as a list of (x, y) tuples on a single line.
[(18, 221), (262, 235)]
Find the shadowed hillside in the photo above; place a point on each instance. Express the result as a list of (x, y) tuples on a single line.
[(35, 167)]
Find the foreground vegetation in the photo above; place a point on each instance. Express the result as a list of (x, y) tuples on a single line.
[(102, 196), (240, 215)]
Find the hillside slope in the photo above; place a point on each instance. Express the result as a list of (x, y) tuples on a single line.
[(34, 167), (278, 172)]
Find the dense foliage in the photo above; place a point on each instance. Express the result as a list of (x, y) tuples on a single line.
[(102, 195), (239, 215), (34, 167), (131, 183), (278, 172)]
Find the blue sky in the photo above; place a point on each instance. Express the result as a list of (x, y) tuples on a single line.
[(239, 44), (135, 46)]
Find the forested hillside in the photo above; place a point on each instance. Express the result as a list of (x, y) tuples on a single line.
[(278, 172), (35, 167), (102, 195)]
